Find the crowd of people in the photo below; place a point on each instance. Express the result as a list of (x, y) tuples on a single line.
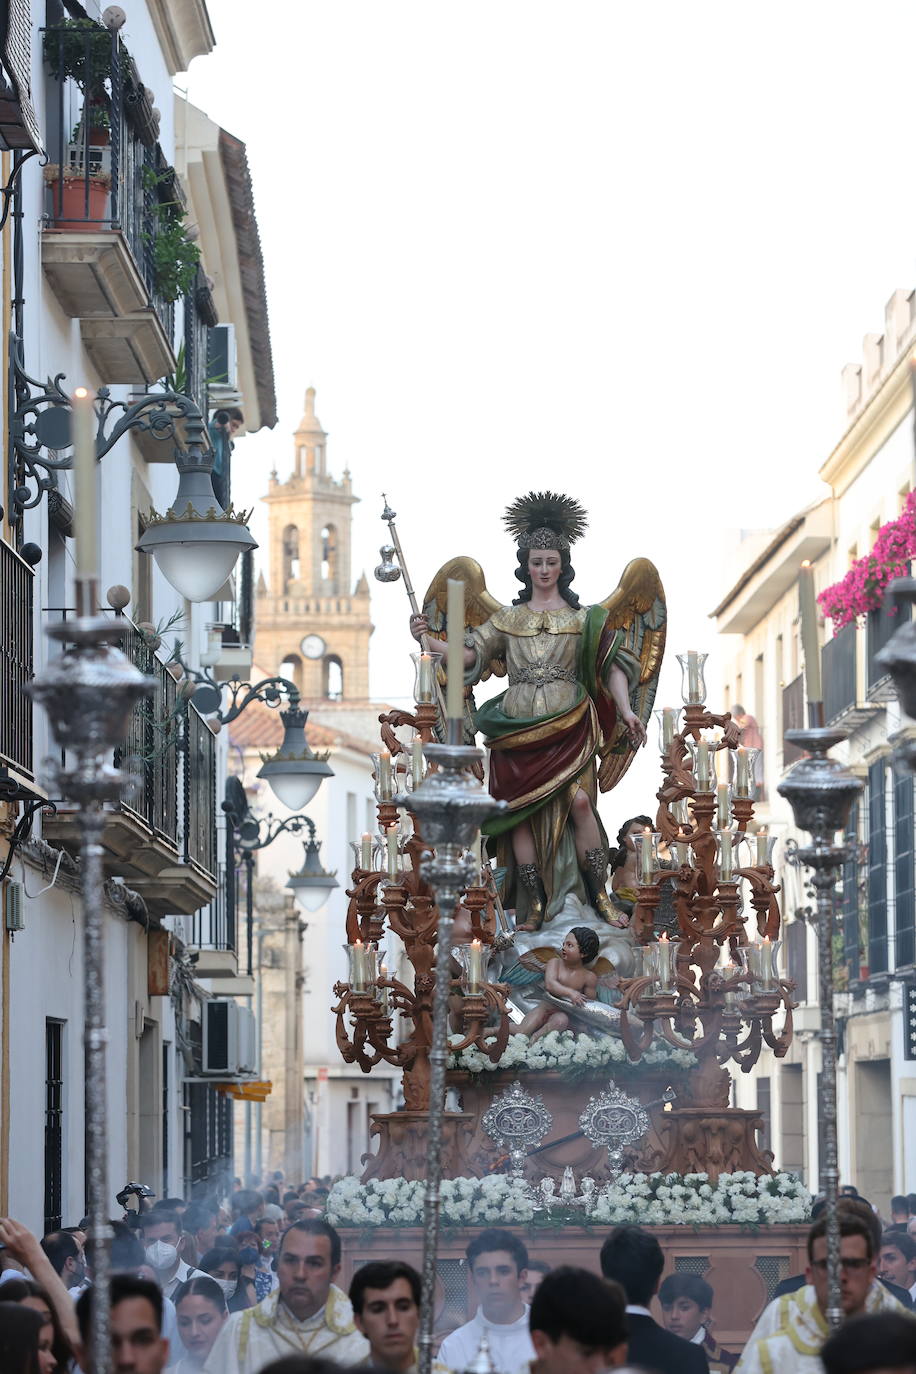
[(252, 1289)]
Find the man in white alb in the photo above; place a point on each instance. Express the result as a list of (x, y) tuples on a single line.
[(306, 1315), (498, 1264)]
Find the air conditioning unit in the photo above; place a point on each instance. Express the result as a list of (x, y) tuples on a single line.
[(229, 1040), (222, 367)]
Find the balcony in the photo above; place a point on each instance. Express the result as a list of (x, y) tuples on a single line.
[(881, 626), (161, 837), (16, 578), (793, 717), (114, 211), (839, 671), (212, 934)]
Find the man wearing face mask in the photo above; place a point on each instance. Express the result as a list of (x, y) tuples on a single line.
[(161, 1234)]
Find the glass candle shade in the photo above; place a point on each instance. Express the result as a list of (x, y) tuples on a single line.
[(417, 762), (745, 765), (734, 991), (667, 963), (668, 725), (762, 964), (646, 855), (365, 853), (682, 853), (425, 667), (693, 683), (725, 862), (704, 766), (359, 967), (681, 811), (761, 844), (383, 995), (473, 960), (384, 776), (391, 852)]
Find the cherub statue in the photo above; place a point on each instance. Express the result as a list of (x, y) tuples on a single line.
[(572, 991), (581, 686)]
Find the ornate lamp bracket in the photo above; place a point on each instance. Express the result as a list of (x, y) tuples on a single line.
[(40, 429)]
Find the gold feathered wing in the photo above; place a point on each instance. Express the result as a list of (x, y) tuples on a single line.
[(479, 605), (638, 608)]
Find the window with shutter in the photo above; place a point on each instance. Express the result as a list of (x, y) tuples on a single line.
[(18, 121), (877, 869), (905, 896)]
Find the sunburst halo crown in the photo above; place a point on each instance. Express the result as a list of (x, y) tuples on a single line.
[(545, 519)]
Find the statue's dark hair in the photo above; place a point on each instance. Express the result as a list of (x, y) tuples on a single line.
[(619, 856), (587, 941), (564, 583)]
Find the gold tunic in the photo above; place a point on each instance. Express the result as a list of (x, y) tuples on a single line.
[(540, 650)]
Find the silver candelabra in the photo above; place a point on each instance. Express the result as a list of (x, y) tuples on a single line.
[(88, 693), (450, 805)]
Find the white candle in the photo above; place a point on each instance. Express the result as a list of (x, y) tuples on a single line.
[(365, 852), (763, 846), (84, 484), (647, 868), (475, 967), (416, 761), (742, 773), (385, 788), (807, 604), (455, 661), (669, 716), (723, 813), (385, 997), (358, 967), (726, 857), (665, 950), (702, 765)]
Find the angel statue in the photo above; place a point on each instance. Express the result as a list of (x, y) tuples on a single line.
[(581, 686)]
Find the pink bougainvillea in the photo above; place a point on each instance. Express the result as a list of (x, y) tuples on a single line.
[(862, 589)]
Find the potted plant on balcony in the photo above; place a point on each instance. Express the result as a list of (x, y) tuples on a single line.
[(71, 210), (81, 50)]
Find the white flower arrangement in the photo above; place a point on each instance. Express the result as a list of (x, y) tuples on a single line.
[(564, 1050), (648, 1199)]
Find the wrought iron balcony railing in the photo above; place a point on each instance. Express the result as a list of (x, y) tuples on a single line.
[(881, 625), (106, 169), (16, 578), (200, 794), (793, 716), (150, 749), (838, 672)]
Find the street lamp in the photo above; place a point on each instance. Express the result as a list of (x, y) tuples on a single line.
[(294, 772), (311, 885), (195, 543), (821, 791)]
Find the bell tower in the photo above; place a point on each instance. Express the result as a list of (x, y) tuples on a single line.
[(311, 622)]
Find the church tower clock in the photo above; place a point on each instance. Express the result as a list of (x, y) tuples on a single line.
[(312, 624)]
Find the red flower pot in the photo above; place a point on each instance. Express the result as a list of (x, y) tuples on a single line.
[(69, 202)]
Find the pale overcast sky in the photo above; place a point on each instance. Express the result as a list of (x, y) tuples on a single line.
[(621, 250)]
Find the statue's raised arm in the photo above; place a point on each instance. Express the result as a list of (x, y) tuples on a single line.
[(581, 681)]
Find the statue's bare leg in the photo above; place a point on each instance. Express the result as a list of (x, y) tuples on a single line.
[(557, 1021)]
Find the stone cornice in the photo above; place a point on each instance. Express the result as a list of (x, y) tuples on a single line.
[(184, 31)]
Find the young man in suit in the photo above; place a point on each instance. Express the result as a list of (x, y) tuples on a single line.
[(634, 1259)]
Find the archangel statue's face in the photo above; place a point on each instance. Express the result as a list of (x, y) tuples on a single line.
[(544, 567)]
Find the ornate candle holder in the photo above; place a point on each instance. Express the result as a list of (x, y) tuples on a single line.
[(680, 992)]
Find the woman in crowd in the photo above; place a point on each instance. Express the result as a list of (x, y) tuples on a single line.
[(200, 1308), (28, 1293), (25, 1341), (222, 1264)]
